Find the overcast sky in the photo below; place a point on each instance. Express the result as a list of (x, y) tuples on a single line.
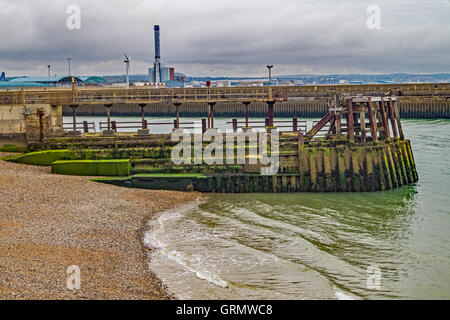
[(226, 37)]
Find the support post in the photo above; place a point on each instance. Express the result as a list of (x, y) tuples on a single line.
[(338, 125), (144, 130), (143, 105), (373, 125), (74, 117), (211, 113), (301, 140), (203, 125), (392, 118), (246, 104), (384, 121), (270, 112), (177, 110), (294, 124), (74, 131), (85, 127), (209, 116), (350, 127), (399, 124), (108, 115), (362, 123), (235, 125)]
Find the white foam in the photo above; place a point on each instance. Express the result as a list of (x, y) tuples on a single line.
[(342, 296), (153, 239)]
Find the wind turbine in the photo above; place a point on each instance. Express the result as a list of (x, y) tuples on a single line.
[(127, 64)]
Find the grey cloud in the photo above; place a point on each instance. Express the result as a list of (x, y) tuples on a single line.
[(226, 37)]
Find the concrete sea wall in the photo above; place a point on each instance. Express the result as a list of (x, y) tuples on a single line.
[(421, 108)]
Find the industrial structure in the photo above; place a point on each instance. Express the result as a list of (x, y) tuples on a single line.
[(62, 81), (160, 74)]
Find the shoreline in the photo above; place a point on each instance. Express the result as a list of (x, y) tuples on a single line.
[(50, 222), (150, 227)]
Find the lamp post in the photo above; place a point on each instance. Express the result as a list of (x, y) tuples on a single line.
[(68, 61), (270, 73)]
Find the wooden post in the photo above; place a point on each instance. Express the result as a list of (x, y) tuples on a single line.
[(392, 117), (270, 112), (211, 112), (384, 120), (331, 129), (114, 126), (373, 125), (301, 139), (74, 117), (176, 124), (85, 127), (209, 116), (235, 125), (399, 124), (350, 127), (177, 108), (145, 126), (108, 115), (246, 104), (362, 123), (338, 125), (294, 124), (203, 125), (142, 105)]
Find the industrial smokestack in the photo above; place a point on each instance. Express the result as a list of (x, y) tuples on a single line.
[(157, 45), (157, 63)]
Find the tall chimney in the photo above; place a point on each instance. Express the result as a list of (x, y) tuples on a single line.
[(157, 45)]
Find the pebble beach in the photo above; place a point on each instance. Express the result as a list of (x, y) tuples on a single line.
[(50, 222)]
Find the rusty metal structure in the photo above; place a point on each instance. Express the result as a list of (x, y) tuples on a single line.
[(347, 119)]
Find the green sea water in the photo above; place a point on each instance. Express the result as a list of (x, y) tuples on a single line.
[(382, 245)]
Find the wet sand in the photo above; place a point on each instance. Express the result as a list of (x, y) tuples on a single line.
[(50, 222)]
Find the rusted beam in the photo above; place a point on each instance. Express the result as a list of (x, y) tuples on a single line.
[(144, 124), (294, 124), (177, 111), (372, 123), (319, 125), (338, 125), (246, 104), (397, 116), (350, 124), (74, 116), (108, 115), (270, 112), (211, 113), (384, 120), (392, 118), (235, 125), (332, 126)]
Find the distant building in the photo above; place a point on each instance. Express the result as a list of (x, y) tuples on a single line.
[(167, 74), (56, 81)]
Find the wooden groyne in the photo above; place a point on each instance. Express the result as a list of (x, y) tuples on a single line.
[(410, 108)]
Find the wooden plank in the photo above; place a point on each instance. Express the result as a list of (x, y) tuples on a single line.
[(392, 118), (350, 124), (373, 125)]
